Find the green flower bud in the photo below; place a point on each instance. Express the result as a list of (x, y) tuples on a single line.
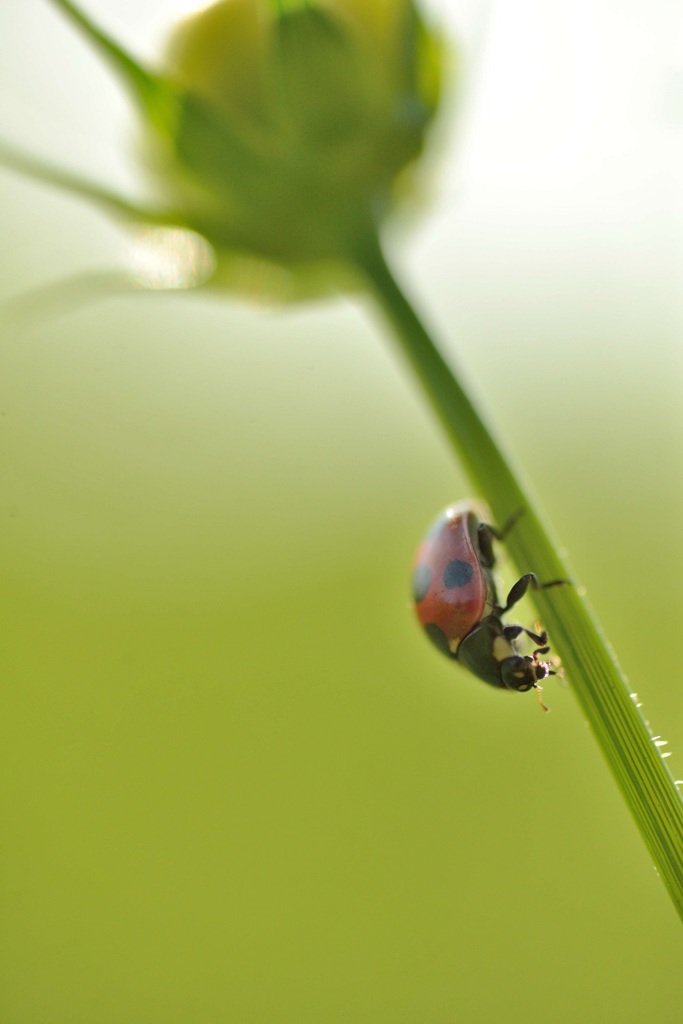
[(295, 131), (282, 133)]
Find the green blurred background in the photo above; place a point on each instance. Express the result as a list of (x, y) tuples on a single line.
[(238, 784)]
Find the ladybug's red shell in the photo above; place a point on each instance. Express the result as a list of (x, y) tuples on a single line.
[(456, 601), (453, 589)]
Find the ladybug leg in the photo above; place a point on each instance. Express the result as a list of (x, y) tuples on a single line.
[(512, 632), (542, 669), (488, 533), (507, 525), (519, 589)]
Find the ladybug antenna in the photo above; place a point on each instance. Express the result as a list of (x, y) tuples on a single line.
[(539, 691)]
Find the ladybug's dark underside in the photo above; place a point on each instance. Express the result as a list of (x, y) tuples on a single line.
[(457, 603)]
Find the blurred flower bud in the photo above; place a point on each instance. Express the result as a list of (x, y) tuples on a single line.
[(295, 128)]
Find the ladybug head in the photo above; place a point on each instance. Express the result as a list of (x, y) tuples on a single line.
[(522, 673)]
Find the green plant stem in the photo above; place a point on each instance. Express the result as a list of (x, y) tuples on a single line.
[(39, 170), (591, 669), (145, 85)]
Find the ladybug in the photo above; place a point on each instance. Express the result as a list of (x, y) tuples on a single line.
[(457, 604)]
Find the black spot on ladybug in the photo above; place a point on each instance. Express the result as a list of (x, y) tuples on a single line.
[(422, 577), (438, 638), (457, 574)]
